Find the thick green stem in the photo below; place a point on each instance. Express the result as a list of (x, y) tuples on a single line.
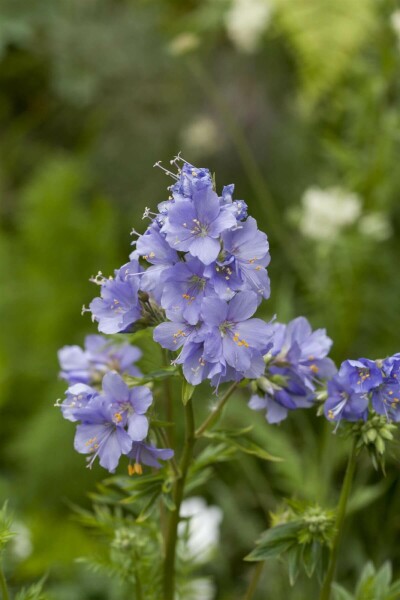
[(3, 586), (173, 521), (216, 412), (254, 581), (340, 516)]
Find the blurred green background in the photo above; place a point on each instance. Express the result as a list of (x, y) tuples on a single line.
[(297, 103)]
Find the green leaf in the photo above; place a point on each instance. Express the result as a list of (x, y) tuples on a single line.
[(310, 556), (275, 541), (237, 440), (340, 593), (187, 392), (148, 508), (294, 561)]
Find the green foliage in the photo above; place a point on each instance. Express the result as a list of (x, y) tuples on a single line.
[(6, 533), (34, 592), (237, 438), (372, 585), (302, 534), (128, 550), (90, 97), (325, 35)]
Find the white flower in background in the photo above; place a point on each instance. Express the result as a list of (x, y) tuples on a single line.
[(21, 544), (198, 589), (201, 528), (246, 21), (199, 533), (376, 225), (184, 43), (201, 136), (326, 212), (395, 22)]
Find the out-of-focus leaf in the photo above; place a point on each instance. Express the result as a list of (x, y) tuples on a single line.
[(275, 541), (325, 35), (240, 442)]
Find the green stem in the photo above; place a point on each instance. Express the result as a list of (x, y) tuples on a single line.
[(138, 585), (216, 412), (173, 521), (169, 400), (340, 516), (254, 581), (3, 586)]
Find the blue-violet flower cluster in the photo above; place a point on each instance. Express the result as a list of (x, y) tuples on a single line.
[(295, 368), (199, 272), (112, 417), (363, 384)]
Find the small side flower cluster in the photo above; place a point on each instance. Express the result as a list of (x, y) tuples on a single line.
[(199, 272), (112, 417), (295, 368), (364, 384)]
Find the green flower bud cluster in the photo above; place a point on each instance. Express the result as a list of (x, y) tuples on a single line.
[(373, 435)]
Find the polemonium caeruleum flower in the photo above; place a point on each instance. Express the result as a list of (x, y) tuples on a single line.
[(386, 396), (362, 375), (343, 402), (118, 306), (143, 453), (185, 288), (129, 404), (237, 207), (102, 434), (111, 420), (76, 397), (153, 247), (195, 226), (364, 383), (249, 249), (233, 338), (295, 366), (99, 355)]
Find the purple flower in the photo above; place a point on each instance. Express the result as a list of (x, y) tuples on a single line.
[(88, 365), (362, 375), (101, 435), (189, 180), (295, 365), (237, 207), (195, 226), (343, 402), (129, 405), (174, 334), (147, 454), (77, 397), (118, 307), (250, 249), (298, 344), (184, 289), (233, 338), (153, 247)]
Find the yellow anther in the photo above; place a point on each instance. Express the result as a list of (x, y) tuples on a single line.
[(330, 414), (314, 368), (117, 417)]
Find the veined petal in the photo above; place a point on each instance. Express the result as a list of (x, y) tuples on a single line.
[(138, 427)]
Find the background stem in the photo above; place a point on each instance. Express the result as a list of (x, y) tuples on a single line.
[(3, 586), (341, 513), (173, 521), (254, 580), (216, 413)]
